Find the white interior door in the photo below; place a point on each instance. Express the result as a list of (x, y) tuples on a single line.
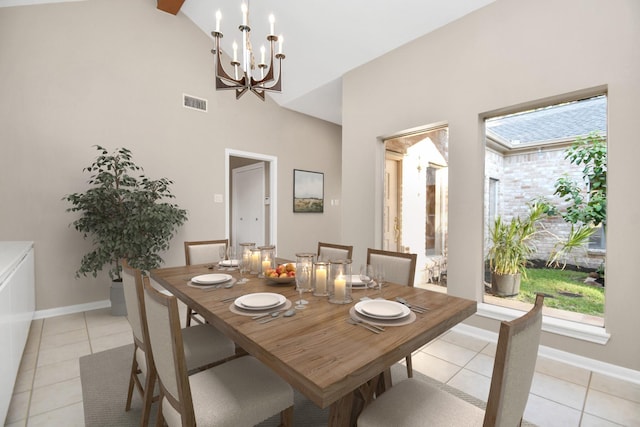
[(248, 216)]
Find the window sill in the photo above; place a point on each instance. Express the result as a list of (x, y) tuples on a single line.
[(581, 331)]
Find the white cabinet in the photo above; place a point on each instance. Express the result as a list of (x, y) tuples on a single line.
[(17, 305)]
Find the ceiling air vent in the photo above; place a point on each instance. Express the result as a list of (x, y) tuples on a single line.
[(194, 103)]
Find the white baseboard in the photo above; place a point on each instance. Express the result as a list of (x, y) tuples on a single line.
[(604, 368), (593, 365), (70, 309)]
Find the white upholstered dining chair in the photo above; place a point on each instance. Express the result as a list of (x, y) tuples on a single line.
[(415, 403), (399, 268), (240, 392), (202, 252), (329, 251), (205, 345)]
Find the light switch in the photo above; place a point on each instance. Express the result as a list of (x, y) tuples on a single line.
[(217, 198)]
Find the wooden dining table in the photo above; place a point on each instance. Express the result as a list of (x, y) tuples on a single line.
[(333, 363)]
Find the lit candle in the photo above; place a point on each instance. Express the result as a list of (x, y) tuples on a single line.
[(321, 280), (272, 20), (244, 13), (262, 52), (266, 264), (280, 40), (235, 52), (340, 286), (255, 261), (218, 18)]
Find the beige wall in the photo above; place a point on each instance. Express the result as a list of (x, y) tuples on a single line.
[(112, 72), (510, 53)]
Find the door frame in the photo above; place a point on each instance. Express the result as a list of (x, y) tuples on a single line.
[(380, 156), (273, 186)]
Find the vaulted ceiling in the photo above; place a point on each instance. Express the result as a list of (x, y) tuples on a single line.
[(323, 40)]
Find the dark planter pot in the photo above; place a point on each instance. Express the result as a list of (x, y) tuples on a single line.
[(116, 295), (505, 285)]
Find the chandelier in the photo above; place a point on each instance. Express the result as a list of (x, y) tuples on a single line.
[(243, 79)]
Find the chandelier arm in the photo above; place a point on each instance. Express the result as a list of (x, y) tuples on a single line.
[(277, 86), (257, 91), (241, 91), (269, 77), (247, 83)]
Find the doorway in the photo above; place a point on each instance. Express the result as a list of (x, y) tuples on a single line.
[(250, 198), (415, 208)]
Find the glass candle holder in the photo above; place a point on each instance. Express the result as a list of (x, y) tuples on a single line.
[(254, 261), (339, 284), (267, 259), (305, 261), (245, 256), (320, 278)]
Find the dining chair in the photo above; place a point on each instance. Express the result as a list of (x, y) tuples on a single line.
[(329, 251), (205, 345), (413, 402), (399, 268), (240, 392), (202, 252)]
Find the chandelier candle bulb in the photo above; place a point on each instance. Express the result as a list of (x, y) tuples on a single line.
[(218, 18), (280, 40), (244, 13), (235, 52), (263, 52), (272, 20)]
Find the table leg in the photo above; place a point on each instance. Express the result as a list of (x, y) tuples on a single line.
[(345, 411)]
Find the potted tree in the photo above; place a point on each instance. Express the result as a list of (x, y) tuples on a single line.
[(512, 243), (127, 216), (511, 246)]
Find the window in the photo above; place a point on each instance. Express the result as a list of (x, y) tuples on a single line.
[(528, 159)]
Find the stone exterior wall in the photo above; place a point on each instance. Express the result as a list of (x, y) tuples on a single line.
[(526, 176)]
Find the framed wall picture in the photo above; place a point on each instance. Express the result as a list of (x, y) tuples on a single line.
[(308, 191)]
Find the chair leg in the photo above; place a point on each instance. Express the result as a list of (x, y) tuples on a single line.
[(409, 366), (147, 398), (160, 417), (189, 314), (286, 417), (134, 369)]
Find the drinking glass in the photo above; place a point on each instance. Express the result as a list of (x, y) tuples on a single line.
[(222, 253), (379, 278), (366, 274), (242, 269), (302, 278), (231, 254)]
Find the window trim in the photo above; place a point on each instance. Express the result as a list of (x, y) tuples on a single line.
[(577, 330)]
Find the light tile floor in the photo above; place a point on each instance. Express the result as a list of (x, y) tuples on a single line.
[(48, 390)]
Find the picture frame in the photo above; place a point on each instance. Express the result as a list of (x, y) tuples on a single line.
[(308, 191)]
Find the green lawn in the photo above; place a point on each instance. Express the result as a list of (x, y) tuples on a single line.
[(553, 281)]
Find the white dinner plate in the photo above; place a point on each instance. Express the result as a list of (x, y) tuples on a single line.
[(382, 309), (356, 282), (229, 263), (211, 279), (259, 301)]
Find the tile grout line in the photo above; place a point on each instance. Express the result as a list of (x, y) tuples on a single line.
[(35, 372)]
